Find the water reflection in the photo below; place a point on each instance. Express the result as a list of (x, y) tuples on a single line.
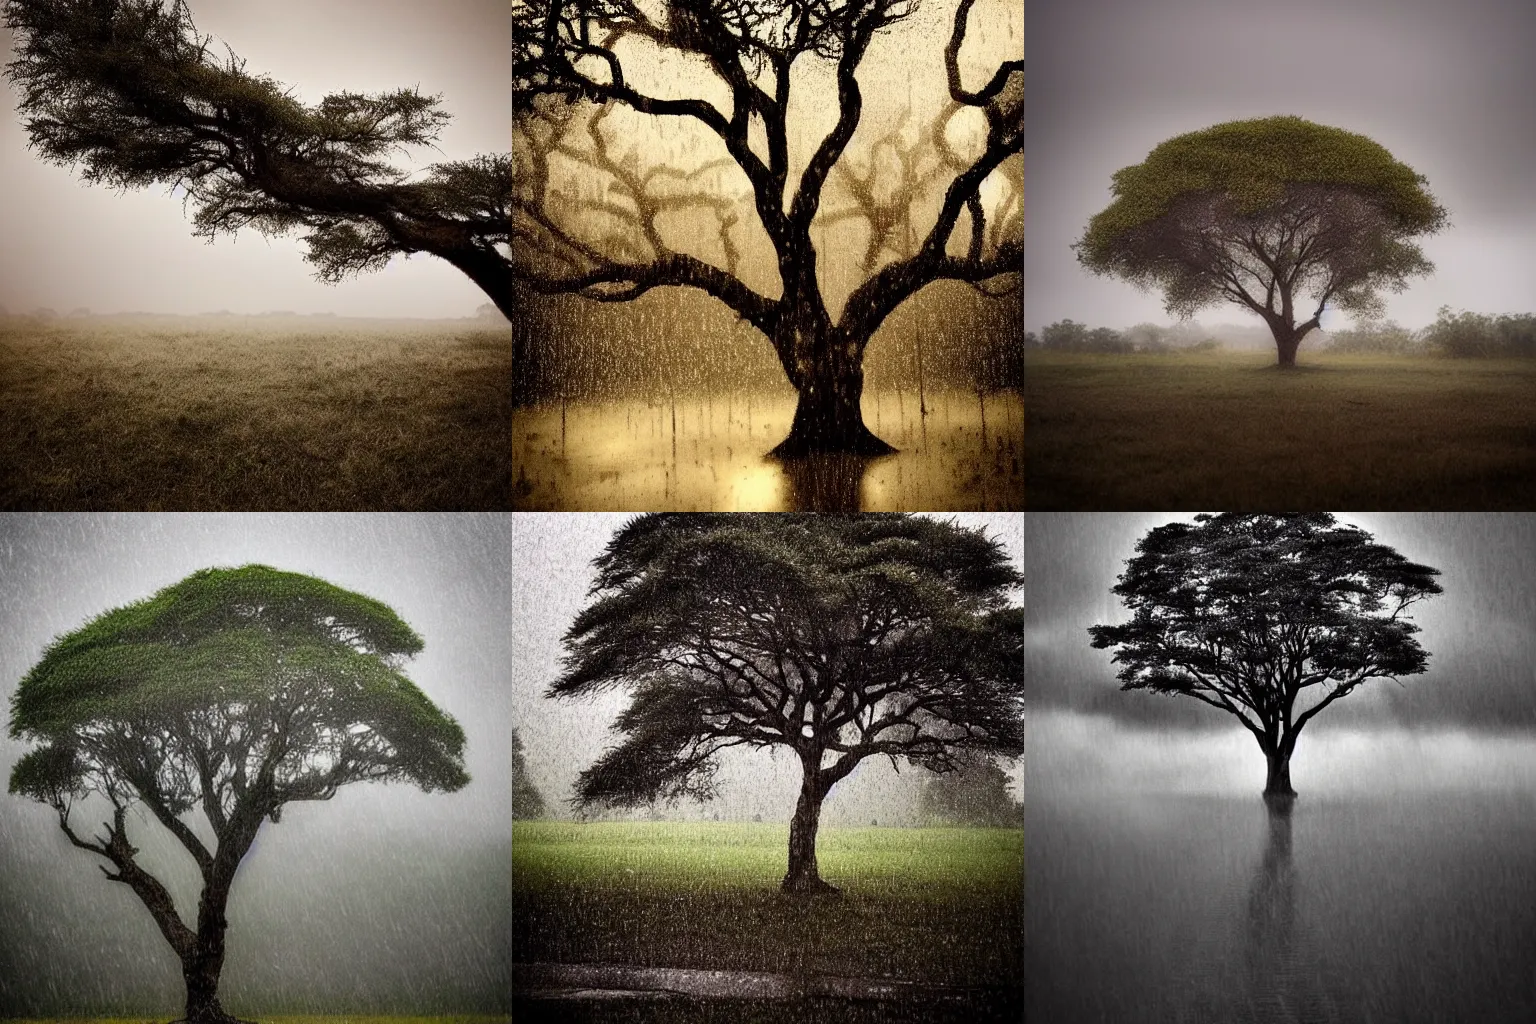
[(826, 483), (1269, 953), (703, 455)]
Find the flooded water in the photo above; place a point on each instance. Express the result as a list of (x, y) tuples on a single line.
[(709, 455), (1206, 908)]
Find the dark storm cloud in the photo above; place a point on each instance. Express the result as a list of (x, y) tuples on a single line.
[(1448, 88), (383, 898), (68, 245), (1481, 633)]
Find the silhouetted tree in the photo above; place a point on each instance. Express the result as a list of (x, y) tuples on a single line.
[(227, 695), (526, 800), (130, 91), (1251, 612), (974, 793), (1266, 213), (568, 74), (839, 637)]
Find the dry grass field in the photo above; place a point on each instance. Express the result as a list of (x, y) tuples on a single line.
[(268, 413), (1229, 430)]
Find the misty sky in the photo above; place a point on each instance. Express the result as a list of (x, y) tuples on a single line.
[(1448, 88), (67, 245), (1472, 715), (551, 575), (380, 896)]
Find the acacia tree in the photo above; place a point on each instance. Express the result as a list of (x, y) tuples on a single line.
[(133, 94), (1270, 214), (838, 637), (211, 706), (569, 72), (1269, 617)]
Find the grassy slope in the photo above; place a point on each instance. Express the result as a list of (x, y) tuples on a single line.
[(1229, 430), (940, 906), (201, 415)]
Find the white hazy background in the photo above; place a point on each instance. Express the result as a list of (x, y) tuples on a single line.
[(67, 245), (1448, 88)]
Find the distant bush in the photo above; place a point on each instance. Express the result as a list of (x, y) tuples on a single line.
[(1466, 335), (1389, 338), (1071, 336)]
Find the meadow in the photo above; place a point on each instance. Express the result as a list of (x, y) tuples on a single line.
[(1167, 432), (937, 906), (273, 413), (708, 455)]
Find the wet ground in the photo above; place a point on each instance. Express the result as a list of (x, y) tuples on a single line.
[(1414, 910), (709, 455)]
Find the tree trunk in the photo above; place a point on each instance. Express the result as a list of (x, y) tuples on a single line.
[(802, 876), (1287, 347), (829, 375), (203, 962), (1277, 784)]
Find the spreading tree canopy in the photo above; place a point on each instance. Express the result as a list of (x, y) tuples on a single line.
[(1269, 617), (134, 95), (223, 697), (577, 63), (1270, 214), (837, 637)]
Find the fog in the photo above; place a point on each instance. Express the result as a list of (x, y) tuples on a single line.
[(1446, 88), (381, 899), (551, 576), (69, 246)]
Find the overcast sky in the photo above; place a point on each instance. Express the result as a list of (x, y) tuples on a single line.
[(67, 245), (1476, 701), (1447, 87), (552, 570), (384, 896)]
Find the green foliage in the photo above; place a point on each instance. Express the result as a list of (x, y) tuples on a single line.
[(1470, 335), (1265, 212), (527, 802), (852, 635), (1252, 162), (1387, 338), (235, 671), (130, 92), (975, 792)]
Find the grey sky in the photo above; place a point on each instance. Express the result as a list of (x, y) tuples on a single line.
[(551, 574), (67, 245), (384, 896), (1447, 87), (1479, 632)]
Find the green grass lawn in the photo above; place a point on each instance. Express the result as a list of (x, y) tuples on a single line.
[(936, 906), (1229, 430)]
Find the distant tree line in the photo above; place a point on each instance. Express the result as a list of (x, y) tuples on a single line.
[(1457, 335), (1071, 336)]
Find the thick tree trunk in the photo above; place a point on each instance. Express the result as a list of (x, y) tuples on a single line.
[(1277, 784), (202, 979), (829, 376), (802, 876)]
